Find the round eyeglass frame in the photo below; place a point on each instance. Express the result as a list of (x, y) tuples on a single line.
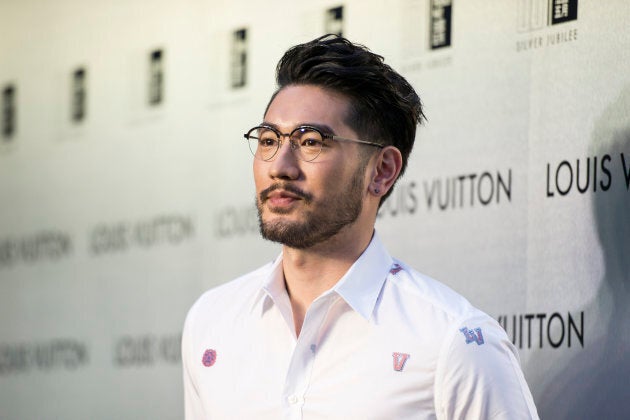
[(294, 143)]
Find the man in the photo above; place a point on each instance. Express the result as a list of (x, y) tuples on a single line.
[(335, 328)]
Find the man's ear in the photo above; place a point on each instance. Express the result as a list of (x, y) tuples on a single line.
[(387, 167)]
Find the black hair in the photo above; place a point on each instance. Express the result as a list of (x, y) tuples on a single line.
[(384, 107)]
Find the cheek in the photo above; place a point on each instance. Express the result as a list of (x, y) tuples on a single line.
[(337, 179), (259, 173)]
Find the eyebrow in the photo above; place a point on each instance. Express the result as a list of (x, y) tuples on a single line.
[(322, 127)]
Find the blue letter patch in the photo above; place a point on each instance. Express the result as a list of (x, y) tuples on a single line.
[(473, 336)]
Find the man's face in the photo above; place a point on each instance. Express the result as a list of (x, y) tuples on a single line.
[(301, 204)]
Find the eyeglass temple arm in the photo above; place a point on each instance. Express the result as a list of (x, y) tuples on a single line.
[(370, 143)]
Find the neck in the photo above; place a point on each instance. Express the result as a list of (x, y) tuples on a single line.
[(310, 272)]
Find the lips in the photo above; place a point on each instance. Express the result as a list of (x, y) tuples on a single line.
[(283, 196)]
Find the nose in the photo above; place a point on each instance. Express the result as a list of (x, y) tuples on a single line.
[(285, 164)]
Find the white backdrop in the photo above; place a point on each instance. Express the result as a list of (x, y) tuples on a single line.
[(517, 193)]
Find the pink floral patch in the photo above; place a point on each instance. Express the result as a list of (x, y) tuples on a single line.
[(209, 357)]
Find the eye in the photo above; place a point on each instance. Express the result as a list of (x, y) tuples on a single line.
[(267, 139), (267, 142), (309, 139), (311, 143)]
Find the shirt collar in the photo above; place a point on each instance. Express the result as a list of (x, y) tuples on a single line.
[(359, 287), (272, 287)]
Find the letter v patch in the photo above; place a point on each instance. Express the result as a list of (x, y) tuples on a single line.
[(399, 361)]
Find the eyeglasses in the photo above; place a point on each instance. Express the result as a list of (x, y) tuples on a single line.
[(305, 141)]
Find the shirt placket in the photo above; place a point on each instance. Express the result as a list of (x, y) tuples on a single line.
[(301, 366)]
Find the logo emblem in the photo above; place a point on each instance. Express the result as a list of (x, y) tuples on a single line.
[(395, 269), (209, 357), (399, 361), (473, 336)]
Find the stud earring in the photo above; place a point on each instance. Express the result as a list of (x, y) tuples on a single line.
[(376, 191)]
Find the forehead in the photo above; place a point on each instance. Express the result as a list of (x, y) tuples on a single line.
[(307, 104)]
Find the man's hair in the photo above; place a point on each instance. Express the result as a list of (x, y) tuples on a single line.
[(384, 107)]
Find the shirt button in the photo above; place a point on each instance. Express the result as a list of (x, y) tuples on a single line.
[(293, 399)]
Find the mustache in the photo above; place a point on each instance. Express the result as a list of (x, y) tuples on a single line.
[(264, 194)]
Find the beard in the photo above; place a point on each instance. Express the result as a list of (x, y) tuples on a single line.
[(319, 223)]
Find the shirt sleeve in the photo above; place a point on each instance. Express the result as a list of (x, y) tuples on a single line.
[(193, 407), (479, 375)]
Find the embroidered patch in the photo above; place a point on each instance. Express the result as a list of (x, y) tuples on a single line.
[(399, 361), (395, 269), (473, 336), (209, 357)]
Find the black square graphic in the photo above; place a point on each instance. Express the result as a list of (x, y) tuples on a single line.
[(333, 23), (440, 26), (239, 59), (156, 77), (563, 11), (9, 112), (78, 95)]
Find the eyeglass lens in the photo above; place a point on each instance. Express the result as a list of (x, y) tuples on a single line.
[(304, 141)]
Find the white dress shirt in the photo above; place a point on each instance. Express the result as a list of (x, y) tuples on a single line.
[(386, 342)]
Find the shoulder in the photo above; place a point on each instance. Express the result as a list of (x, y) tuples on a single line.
[(425, 292), (460, 322), (473, 351), (462, 334), (435, 314), (228, 298)]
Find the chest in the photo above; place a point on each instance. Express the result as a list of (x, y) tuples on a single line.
[(340, 367)]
